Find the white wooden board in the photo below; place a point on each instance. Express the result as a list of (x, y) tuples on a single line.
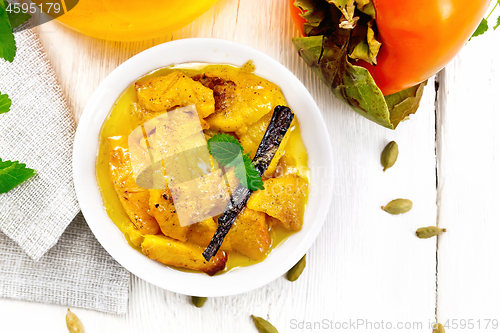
[(366, 266), (468, 150)]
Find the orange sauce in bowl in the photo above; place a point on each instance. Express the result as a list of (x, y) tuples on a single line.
[(120, 123)]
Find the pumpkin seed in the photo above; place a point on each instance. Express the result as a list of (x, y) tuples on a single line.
[(73, 324), (428, 232), (294, 272), (398, 206), (263, 325), (198, 301), (389, 155)]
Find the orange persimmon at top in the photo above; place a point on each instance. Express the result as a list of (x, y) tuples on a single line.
[(130, 20), (418, 38)]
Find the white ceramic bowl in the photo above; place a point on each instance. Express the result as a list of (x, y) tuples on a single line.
[(314, 135)]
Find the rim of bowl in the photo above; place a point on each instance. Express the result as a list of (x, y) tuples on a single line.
[(313, 131)]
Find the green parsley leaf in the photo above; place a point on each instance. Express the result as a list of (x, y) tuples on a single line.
[(226, 149), (12, 174), (7, 41), (5, 103), (16, 19), (481, 28), (498, 24)]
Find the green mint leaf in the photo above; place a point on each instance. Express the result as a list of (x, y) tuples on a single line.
[(12, 174), (16, 19), (481, 28), (7, 41), (225, 149), (5, 103), (248, 175), (240, 173), (498, 24)]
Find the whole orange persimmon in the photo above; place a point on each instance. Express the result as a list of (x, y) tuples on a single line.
[(132, 20), (418, 38)]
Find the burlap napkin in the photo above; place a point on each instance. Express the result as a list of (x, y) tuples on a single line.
[(76, 272), (39, 132)]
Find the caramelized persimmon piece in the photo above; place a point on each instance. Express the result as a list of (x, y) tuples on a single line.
[(179, 254), (283, 198), (135, 200), (249, 234), (161, 204), (175, 90), (201, 234), (241, 103)]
